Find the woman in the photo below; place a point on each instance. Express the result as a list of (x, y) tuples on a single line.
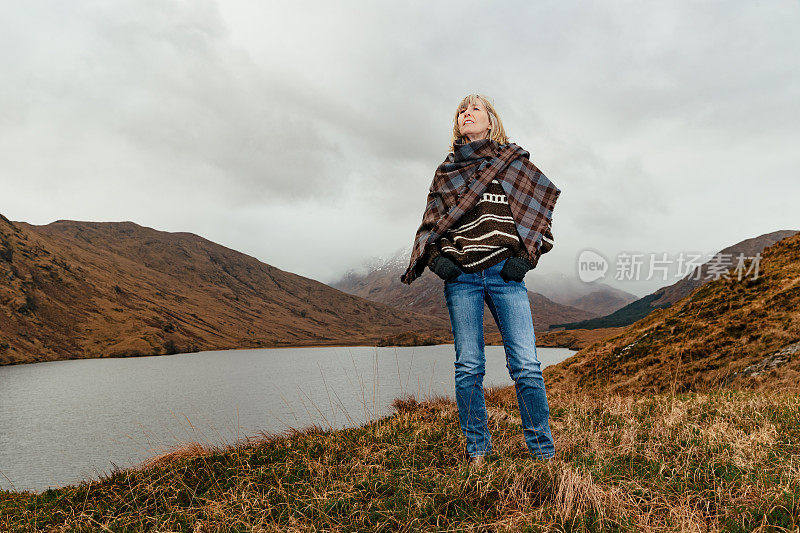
[(486, 223)]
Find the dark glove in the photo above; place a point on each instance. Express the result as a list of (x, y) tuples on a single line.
[(445, 268), (515, 268)]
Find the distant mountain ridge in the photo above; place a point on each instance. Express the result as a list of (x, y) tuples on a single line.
[(595, 297), (666, 296), (74, 289), (378, 280)]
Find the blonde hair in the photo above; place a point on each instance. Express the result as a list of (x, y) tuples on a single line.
[(496, 131)]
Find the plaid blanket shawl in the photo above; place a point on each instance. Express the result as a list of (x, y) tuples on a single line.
[(459, 183)]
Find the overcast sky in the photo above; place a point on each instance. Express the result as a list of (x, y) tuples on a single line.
[(306, 134)]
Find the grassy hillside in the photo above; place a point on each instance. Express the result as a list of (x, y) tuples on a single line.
[(74, 289), (727, 332), (693, 462), (574, 339)]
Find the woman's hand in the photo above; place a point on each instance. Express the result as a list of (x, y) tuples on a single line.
[(445, 268), (515, 268)]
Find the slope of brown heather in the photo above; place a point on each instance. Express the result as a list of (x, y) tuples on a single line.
[(74, 289), (728, 333)]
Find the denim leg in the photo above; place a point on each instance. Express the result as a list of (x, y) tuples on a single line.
[(464, 297), (510, 307)]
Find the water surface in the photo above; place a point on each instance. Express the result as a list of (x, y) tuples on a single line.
[(62, 422)]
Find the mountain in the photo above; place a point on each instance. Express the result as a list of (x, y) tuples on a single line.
[(742, 333), (97, 289), (666, 296), (379, 281), (595, 297)]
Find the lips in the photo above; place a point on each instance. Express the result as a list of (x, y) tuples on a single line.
[(469, 121)]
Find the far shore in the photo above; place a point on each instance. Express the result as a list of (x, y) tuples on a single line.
[(573, 339)]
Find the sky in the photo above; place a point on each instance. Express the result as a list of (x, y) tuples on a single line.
[(306, 134)]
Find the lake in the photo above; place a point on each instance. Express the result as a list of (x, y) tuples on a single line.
[(63, 422)]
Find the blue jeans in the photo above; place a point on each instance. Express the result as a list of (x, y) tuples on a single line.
[(509, 305)]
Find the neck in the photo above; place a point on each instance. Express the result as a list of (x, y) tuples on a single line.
[(477, 137)]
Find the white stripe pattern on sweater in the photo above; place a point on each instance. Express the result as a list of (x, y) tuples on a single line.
[(483, 237), (483, 218), (471, 248), (501, 250)]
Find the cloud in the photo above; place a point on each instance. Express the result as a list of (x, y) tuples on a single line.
[(163, 83), (207, 116)]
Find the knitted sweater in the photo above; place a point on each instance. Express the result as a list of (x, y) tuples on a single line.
[(485, 235)]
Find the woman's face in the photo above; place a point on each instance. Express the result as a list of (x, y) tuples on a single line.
[(473, 121)]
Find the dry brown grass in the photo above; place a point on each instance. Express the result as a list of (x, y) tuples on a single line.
[(694, 462)]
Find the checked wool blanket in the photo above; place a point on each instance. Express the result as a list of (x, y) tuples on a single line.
[(459, 183)]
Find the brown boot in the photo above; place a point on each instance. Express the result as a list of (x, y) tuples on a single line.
[(476, 461)]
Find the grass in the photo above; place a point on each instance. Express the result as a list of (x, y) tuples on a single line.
[(696, 461)]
